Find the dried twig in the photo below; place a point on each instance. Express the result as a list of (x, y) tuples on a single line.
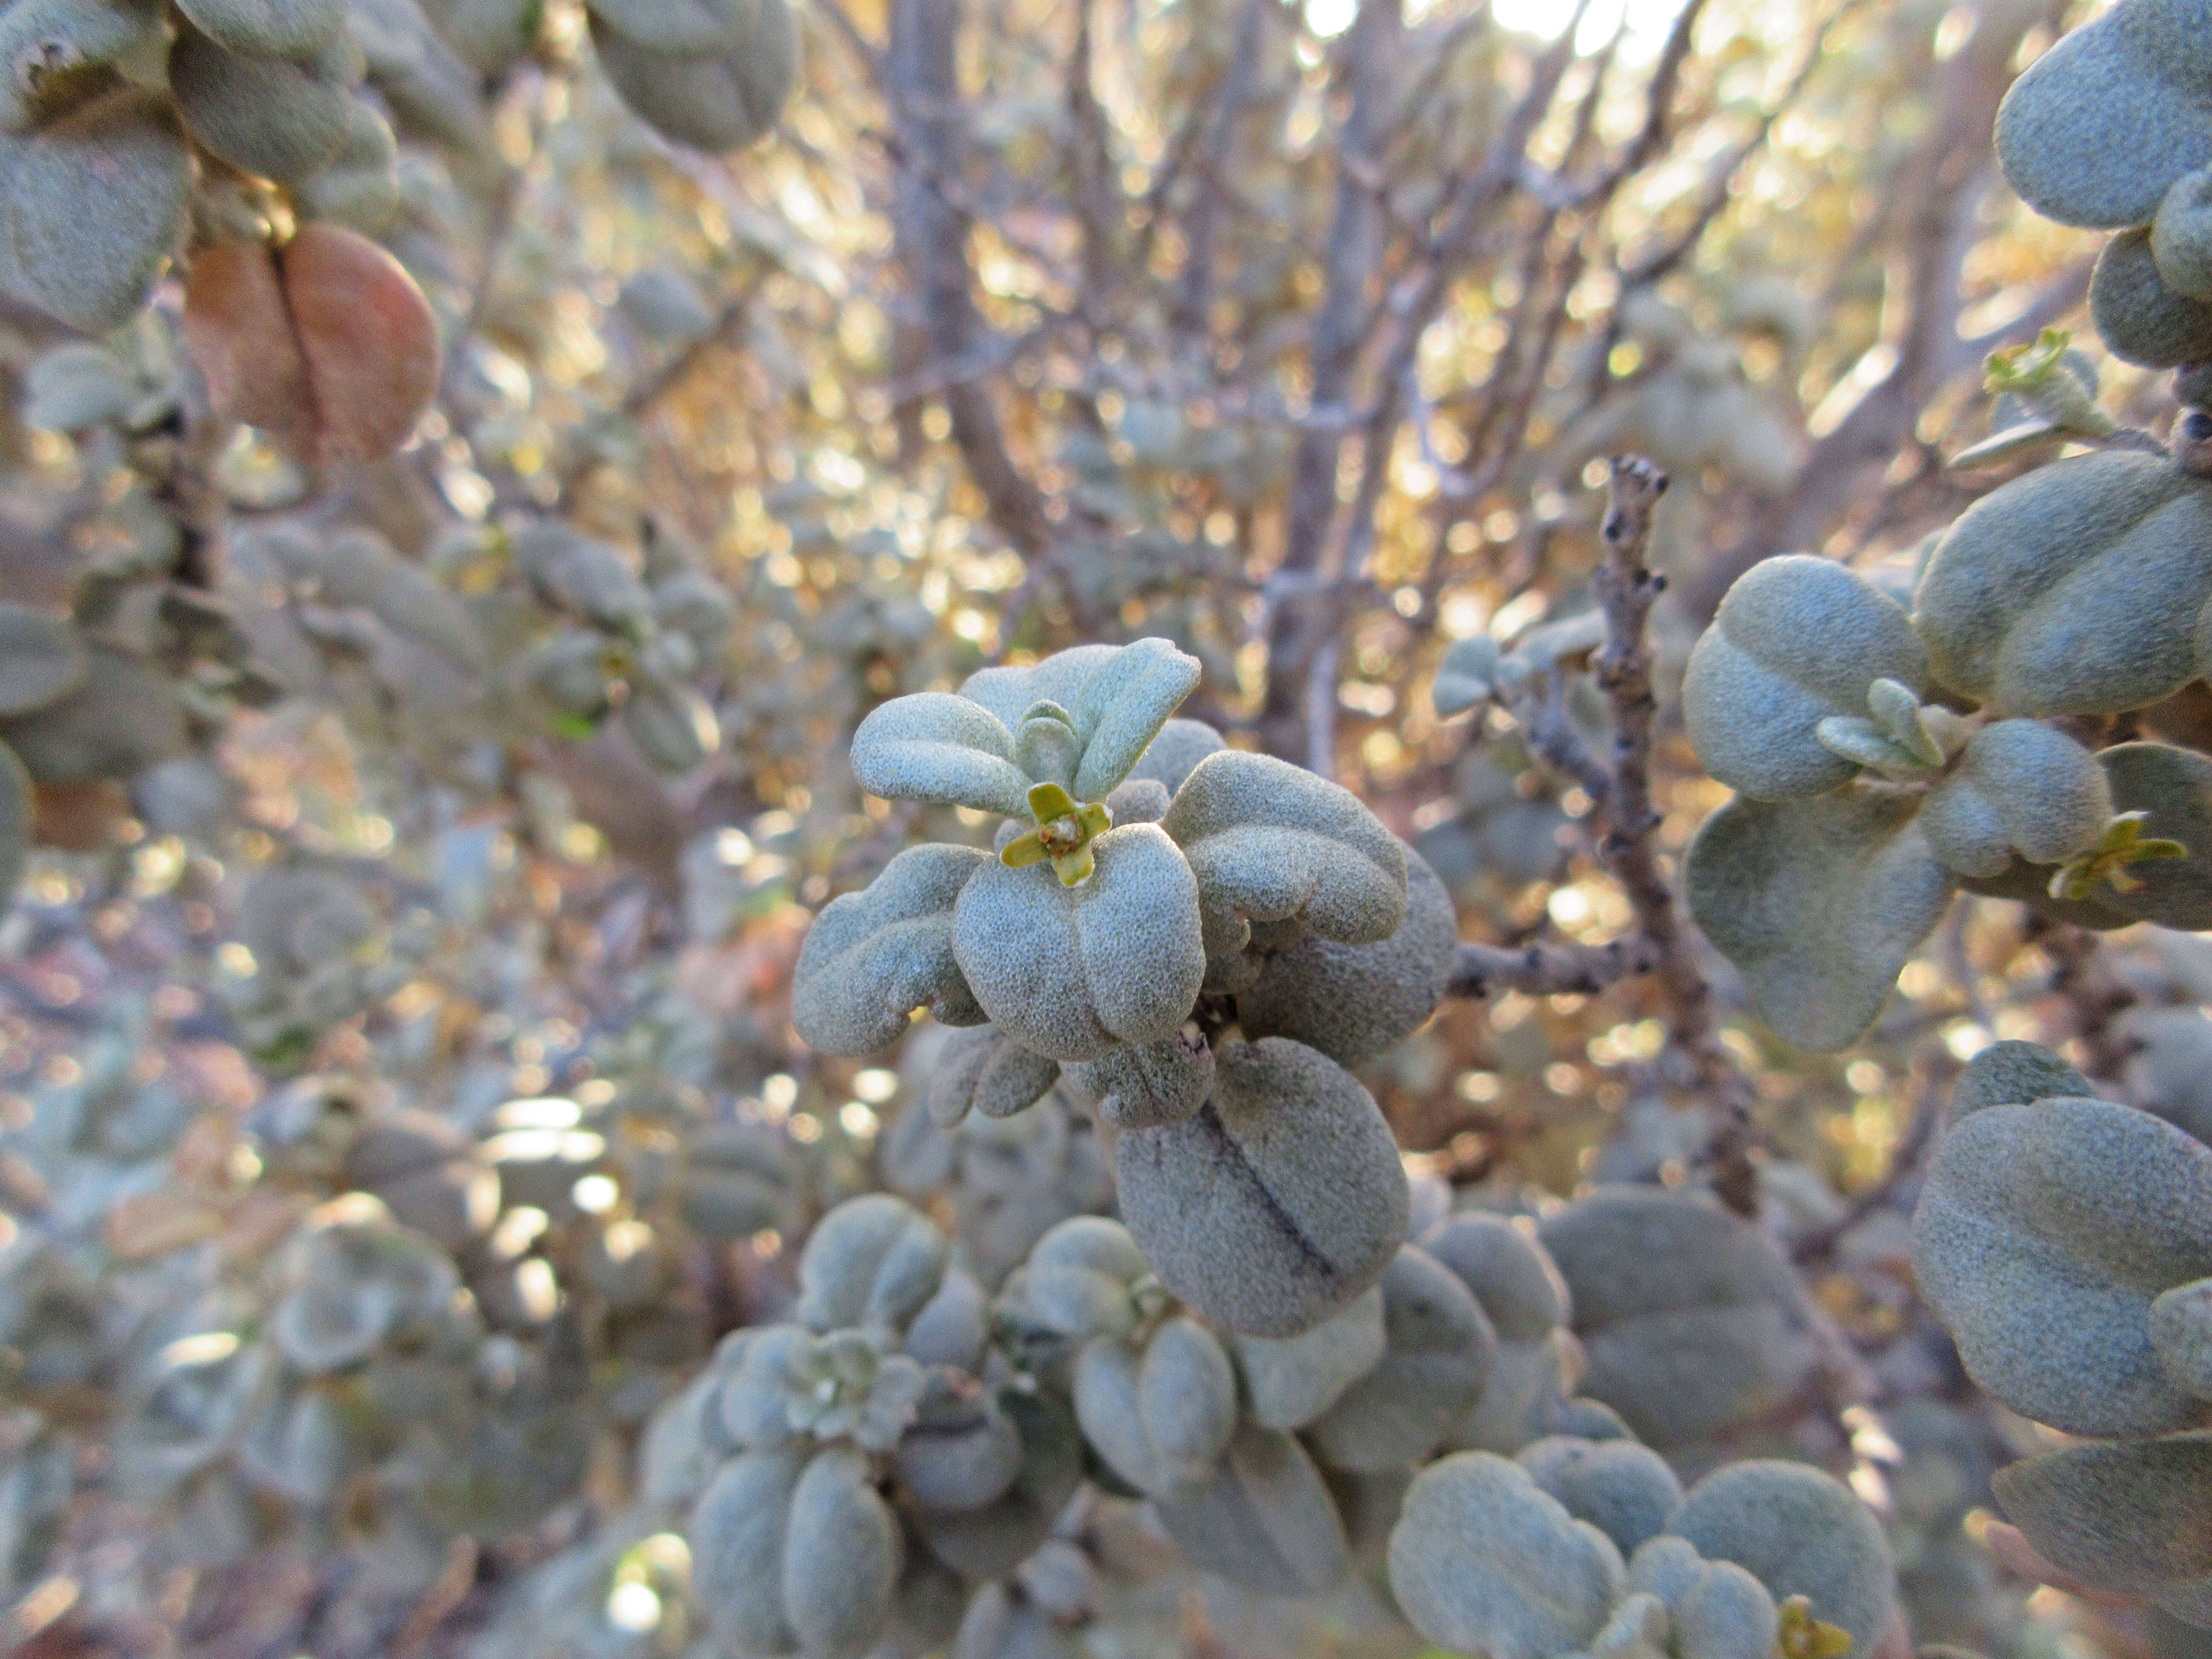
[(2083, 975), (1620, 791), (1542, 971), (923, 80)]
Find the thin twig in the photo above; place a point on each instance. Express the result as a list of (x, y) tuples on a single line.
[(2081, 974), (1543, 970)]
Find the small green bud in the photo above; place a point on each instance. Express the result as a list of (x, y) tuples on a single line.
[(1063, 834), (2123, 843), (1805, 1636)]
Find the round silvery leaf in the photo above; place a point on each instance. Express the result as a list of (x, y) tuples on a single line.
[(76, 385), (2181, 235), (432, 94), (2073, 590), (1517, 1284), (1265, 1521), (1186, 1398), (1104, 1390), (736, 1533), (17, 808), (2131, 1516), (962, 1451), (715, 101), (1138, 800), (351, 1284), (358, 567), (300, 1446), (875, 956), (2141, 320), (1292, 1380), (1095, 1242), (982, 1069), (675, 25), (873, 1261), (268, 28), (1117, 699), (1353, 1001), (1483, 1560), (1727, 1614), (488, 35), (1272, 842), (1819, 904), (950, 1328), (2014, 1074), (428, 1175), (934, 746), (1139, 1086), (2043, 1235), (2098, 127), (1070, 972), (1798, 639), (1624, 1490), (281, 118), (582, 575), (737, 1180), (997, 1626), (2172, 789), (2181, 1336), (1798, 1532), (1438, 1350), (2019, 787), (673, 726), (1639, 1628), (1691, 1319), (122, 718), (1467, 675), (843, 1551), (1282, 1200), (92, 208), (1716, 1609), (993, 1540), (1168, 758)]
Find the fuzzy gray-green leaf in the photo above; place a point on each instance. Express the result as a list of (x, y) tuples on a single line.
[(2021, 786), (934, 746), (1819, 904), (1798, 1532), (1354, 1001), (2098, 127), (875, 956), (1282, 1200), (2043, 1235), (1798, 639), (1484, 1561), (1070, 972), (1438, 1351), (1270, 841), (1118, 699), (40, 660), (2134, 1517), (1265, 1520), (2073, 590)]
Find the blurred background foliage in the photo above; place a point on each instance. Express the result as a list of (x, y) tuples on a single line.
[(466, 869)]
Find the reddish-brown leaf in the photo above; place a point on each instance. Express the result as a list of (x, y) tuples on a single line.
[(240, 333), (326, 344), (369, 339), (78, 818)]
